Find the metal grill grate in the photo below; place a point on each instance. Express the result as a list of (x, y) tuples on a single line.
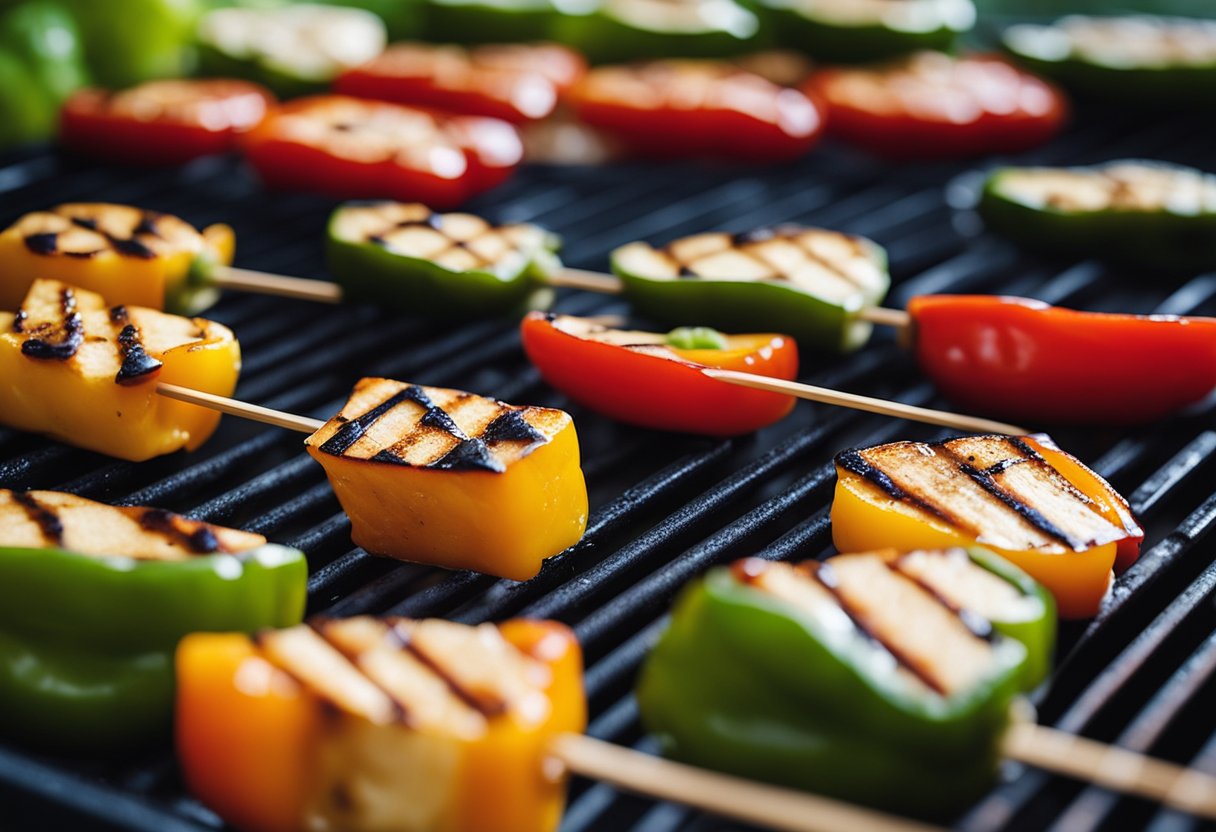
[(663, 507)]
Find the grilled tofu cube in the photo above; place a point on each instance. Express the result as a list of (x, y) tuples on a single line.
[(1022, 498), (392, 725), (85, 373), (452, 479)]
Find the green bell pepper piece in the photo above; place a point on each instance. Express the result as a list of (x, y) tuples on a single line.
[(372, 272), (616, 31), (489, 21), (745, 683), (815, 320), (137, 40), (1177, 237), (696, 338), (41, 64), (86, 642), (834, 31)]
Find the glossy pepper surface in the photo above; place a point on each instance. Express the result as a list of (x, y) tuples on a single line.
[(94, 600), (932, 105), (616, 31), (438, 265), (1144, 215), (126, 254), (41, 64), (380, 724), (854, 31), (452, 479), (1021, 497), (844, 677), (85, 373), (1025, 359), (808, 282), (655, 380)]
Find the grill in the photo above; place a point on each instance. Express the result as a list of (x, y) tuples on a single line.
[(664, 507)]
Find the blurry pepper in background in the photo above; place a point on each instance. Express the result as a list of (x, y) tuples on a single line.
[(41, 63), (488, 21), (132, 41), (615, 31)]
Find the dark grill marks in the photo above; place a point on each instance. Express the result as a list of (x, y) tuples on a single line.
[(48, 243), (19, 321), (349, 433), (85, 222), (434, 221), (979, 626), (137, 365), (745, 241), (852, 460), (47, 520), (469, 455), (510, 427), (487, 706), (192, 534), (42, 243), (70, 331)]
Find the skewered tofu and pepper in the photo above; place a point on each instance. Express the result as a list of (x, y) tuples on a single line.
[(93, 600), (877, 677), (76, 369), (1021, 497), (654, 379), (453, 479), (392, 725), (808, 282), (1137, 213), (128, 255)]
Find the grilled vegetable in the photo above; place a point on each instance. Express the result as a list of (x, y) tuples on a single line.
[(698, 108), (515, 82), (453, 479), (808, 282), (489, 21), (144, 40), (93, 600), (848, 677), (1133, 213), (86, 374), (849, 31), (655, 380), (41, 64), (380, 724), (130, 256), (447, 265), (1155, 61), (1024, 359), (930, 105), (1023, 498), (353, 148), (293, 49), (614, 31), (162, 122)]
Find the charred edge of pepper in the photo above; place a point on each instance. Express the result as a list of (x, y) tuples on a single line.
[(48, 521), (979, 626), (72, 327), (194, 535), (136, 363), (487, 706), (511, 427), (350, 432)]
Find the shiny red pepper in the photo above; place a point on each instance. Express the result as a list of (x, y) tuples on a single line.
[(640, 379), (1023, 359)]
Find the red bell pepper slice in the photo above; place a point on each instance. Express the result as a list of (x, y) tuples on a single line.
[(635, 378), (1027, 360), (681, 108), (162, 122), (352, 148), (932, 105), (514, 82)]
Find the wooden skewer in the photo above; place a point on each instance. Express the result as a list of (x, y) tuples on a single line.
[(770, 806), (871, 405), (233, 407)]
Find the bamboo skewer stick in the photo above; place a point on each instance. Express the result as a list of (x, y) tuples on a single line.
[(255, 412), (826, 395)]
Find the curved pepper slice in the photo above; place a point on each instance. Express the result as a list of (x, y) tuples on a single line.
[(845, 677), (644, 379), (616, 31), (351, 148), (94, 598), (447, 265), (1132, 213), (1023, 498), (1027, 360), (162, 122), (683, 108), (128, 255), (851, 31), (489, 21), (368, 724), (514, 82), (931, 105), (808, 282), (86, 374), (452, 479), (1146, 60)]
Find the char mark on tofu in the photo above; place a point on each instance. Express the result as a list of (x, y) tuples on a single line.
[(46, 518), (55, 336), (194, 535), (83, 230), (137, 365)]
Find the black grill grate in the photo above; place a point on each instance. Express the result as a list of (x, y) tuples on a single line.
[(664, 507)]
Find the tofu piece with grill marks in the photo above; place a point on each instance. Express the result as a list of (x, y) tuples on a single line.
[(452, 479)]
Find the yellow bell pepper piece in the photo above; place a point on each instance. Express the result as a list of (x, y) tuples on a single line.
[(125, 254), (86, 374), (447, 478), (1022, 498)]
